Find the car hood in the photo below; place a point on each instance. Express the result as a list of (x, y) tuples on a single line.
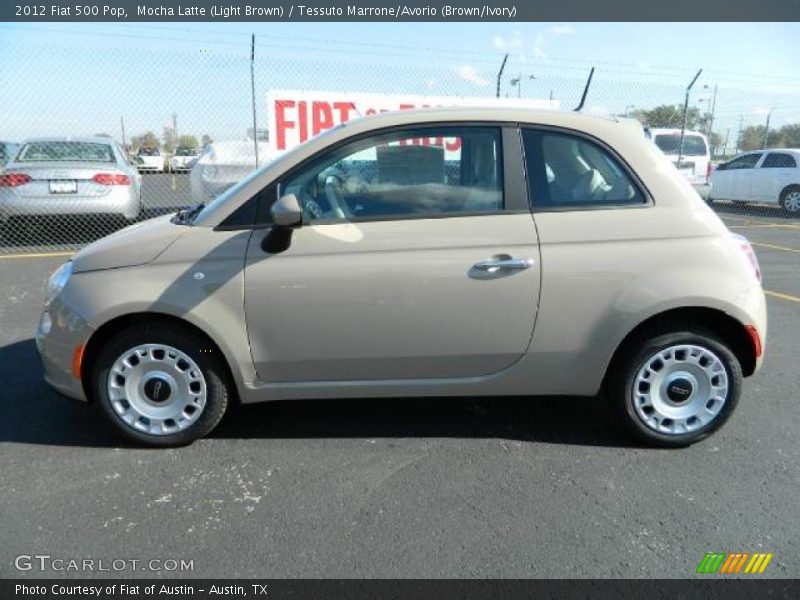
[(135, 245)]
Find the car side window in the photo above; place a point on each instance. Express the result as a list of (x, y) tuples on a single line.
[(570, 172), (748, 161), (416, 173), (778, 160)]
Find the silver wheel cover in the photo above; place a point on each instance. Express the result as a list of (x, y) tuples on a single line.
[(792, 201), (156, 389), (680, 389)]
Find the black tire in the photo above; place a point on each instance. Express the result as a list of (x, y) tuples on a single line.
[(784, 196), (219, 389), (633, 357)]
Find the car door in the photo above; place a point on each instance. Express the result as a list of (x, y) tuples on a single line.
[(743, 170), (419, 260), (772, 175)]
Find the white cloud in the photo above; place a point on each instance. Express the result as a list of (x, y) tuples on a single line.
[(562, 30), (644, 66), (499, 42), (761, 110), (468, 73)]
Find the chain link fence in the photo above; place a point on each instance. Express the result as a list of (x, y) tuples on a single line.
[(94, 138)]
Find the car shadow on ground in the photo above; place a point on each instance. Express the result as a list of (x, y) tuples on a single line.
[(31, 413)]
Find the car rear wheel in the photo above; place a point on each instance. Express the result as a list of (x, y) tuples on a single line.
[(675, 386), (790, 200), (161, 386)]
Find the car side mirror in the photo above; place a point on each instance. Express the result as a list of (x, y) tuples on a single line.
[(287, 212)]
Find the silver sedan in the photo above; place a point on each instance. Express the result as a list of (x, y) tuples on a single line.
[(70, 176)]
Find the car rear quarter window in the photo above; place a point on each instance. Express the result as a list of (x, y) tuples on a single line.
[(570, 172), (413, 173), (779, 160)]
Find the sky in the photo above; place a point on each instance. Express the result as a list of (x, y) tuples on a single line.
[(82, 78)]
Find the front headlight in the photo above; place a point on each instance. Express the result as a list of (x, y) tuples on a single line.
[(57, 282)]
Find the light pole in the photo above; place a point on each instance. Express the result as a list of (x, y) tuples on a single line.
[(517, 81), (766, 128)]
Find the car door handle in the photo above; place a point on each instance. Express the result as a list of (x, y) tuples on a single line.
[(504, 264)]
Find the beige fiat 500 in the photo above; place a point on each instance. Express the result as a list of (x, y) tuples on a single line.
[(448, 252)]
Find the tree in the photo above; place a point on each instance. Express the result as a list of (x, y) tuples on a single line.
[(169, 139), (790, 136), (206, 139), (752, 138), (188, 141), (671, 116), (146, 140)]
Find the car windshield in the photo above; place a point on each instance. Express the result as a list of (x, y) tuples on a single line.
[(149, 152), (185, 151), (66, 151), (693, 145)]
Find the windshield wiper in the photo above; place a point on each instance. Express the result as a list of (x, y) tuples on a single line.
[(185, 215)]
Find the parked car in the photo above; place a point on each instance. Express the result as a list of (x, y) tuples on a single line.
[(223, 164), (771, 176), (149, 160), (438, 252), (695, 157), (183, 159), (69, 176)]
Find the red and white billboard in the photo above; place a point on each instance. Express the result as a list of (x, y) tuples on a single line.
[(296, 116)]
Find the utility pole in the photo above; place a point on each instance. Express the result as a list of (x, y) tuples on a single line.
[(175, 127), (713, 110), (725, 145), (739, 134), (766, 130), (253, 92), (122, 124), (685, 108), (500, 73)]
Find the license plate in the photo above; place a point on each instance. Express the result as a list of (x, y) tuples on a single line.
[(63, 186)]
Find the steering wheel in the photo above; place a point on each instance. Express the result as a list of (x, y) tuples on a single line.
[(334, 184)]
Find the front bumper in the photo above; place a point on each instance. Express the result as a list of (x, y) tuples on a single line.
[(57, 343)]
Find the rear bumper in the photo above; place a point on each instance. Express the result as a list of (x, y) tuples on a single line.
[(119, 201), (704, 189)]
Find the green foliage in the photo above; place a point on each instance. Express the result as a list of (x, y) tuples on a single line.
[(187, 141), (671, 116), (752, 137), (147, 140)]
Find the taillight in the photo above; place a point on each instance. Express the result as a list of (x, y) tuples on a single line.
[(745, 247), (708, 171), (14, 179), (111, 179)]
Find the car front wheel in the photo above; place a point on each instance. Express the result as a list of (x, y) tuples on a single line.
[(674, 388), (161, 386)]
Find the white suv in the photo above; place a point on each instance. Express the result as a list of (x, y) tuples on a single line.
[(695, 158)]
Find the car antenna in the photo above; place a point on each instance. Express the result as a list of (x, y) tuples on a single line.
[(585, 91)]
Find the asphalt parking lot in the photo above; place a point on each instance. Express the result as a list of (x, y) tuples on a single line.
[(406, 488)]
